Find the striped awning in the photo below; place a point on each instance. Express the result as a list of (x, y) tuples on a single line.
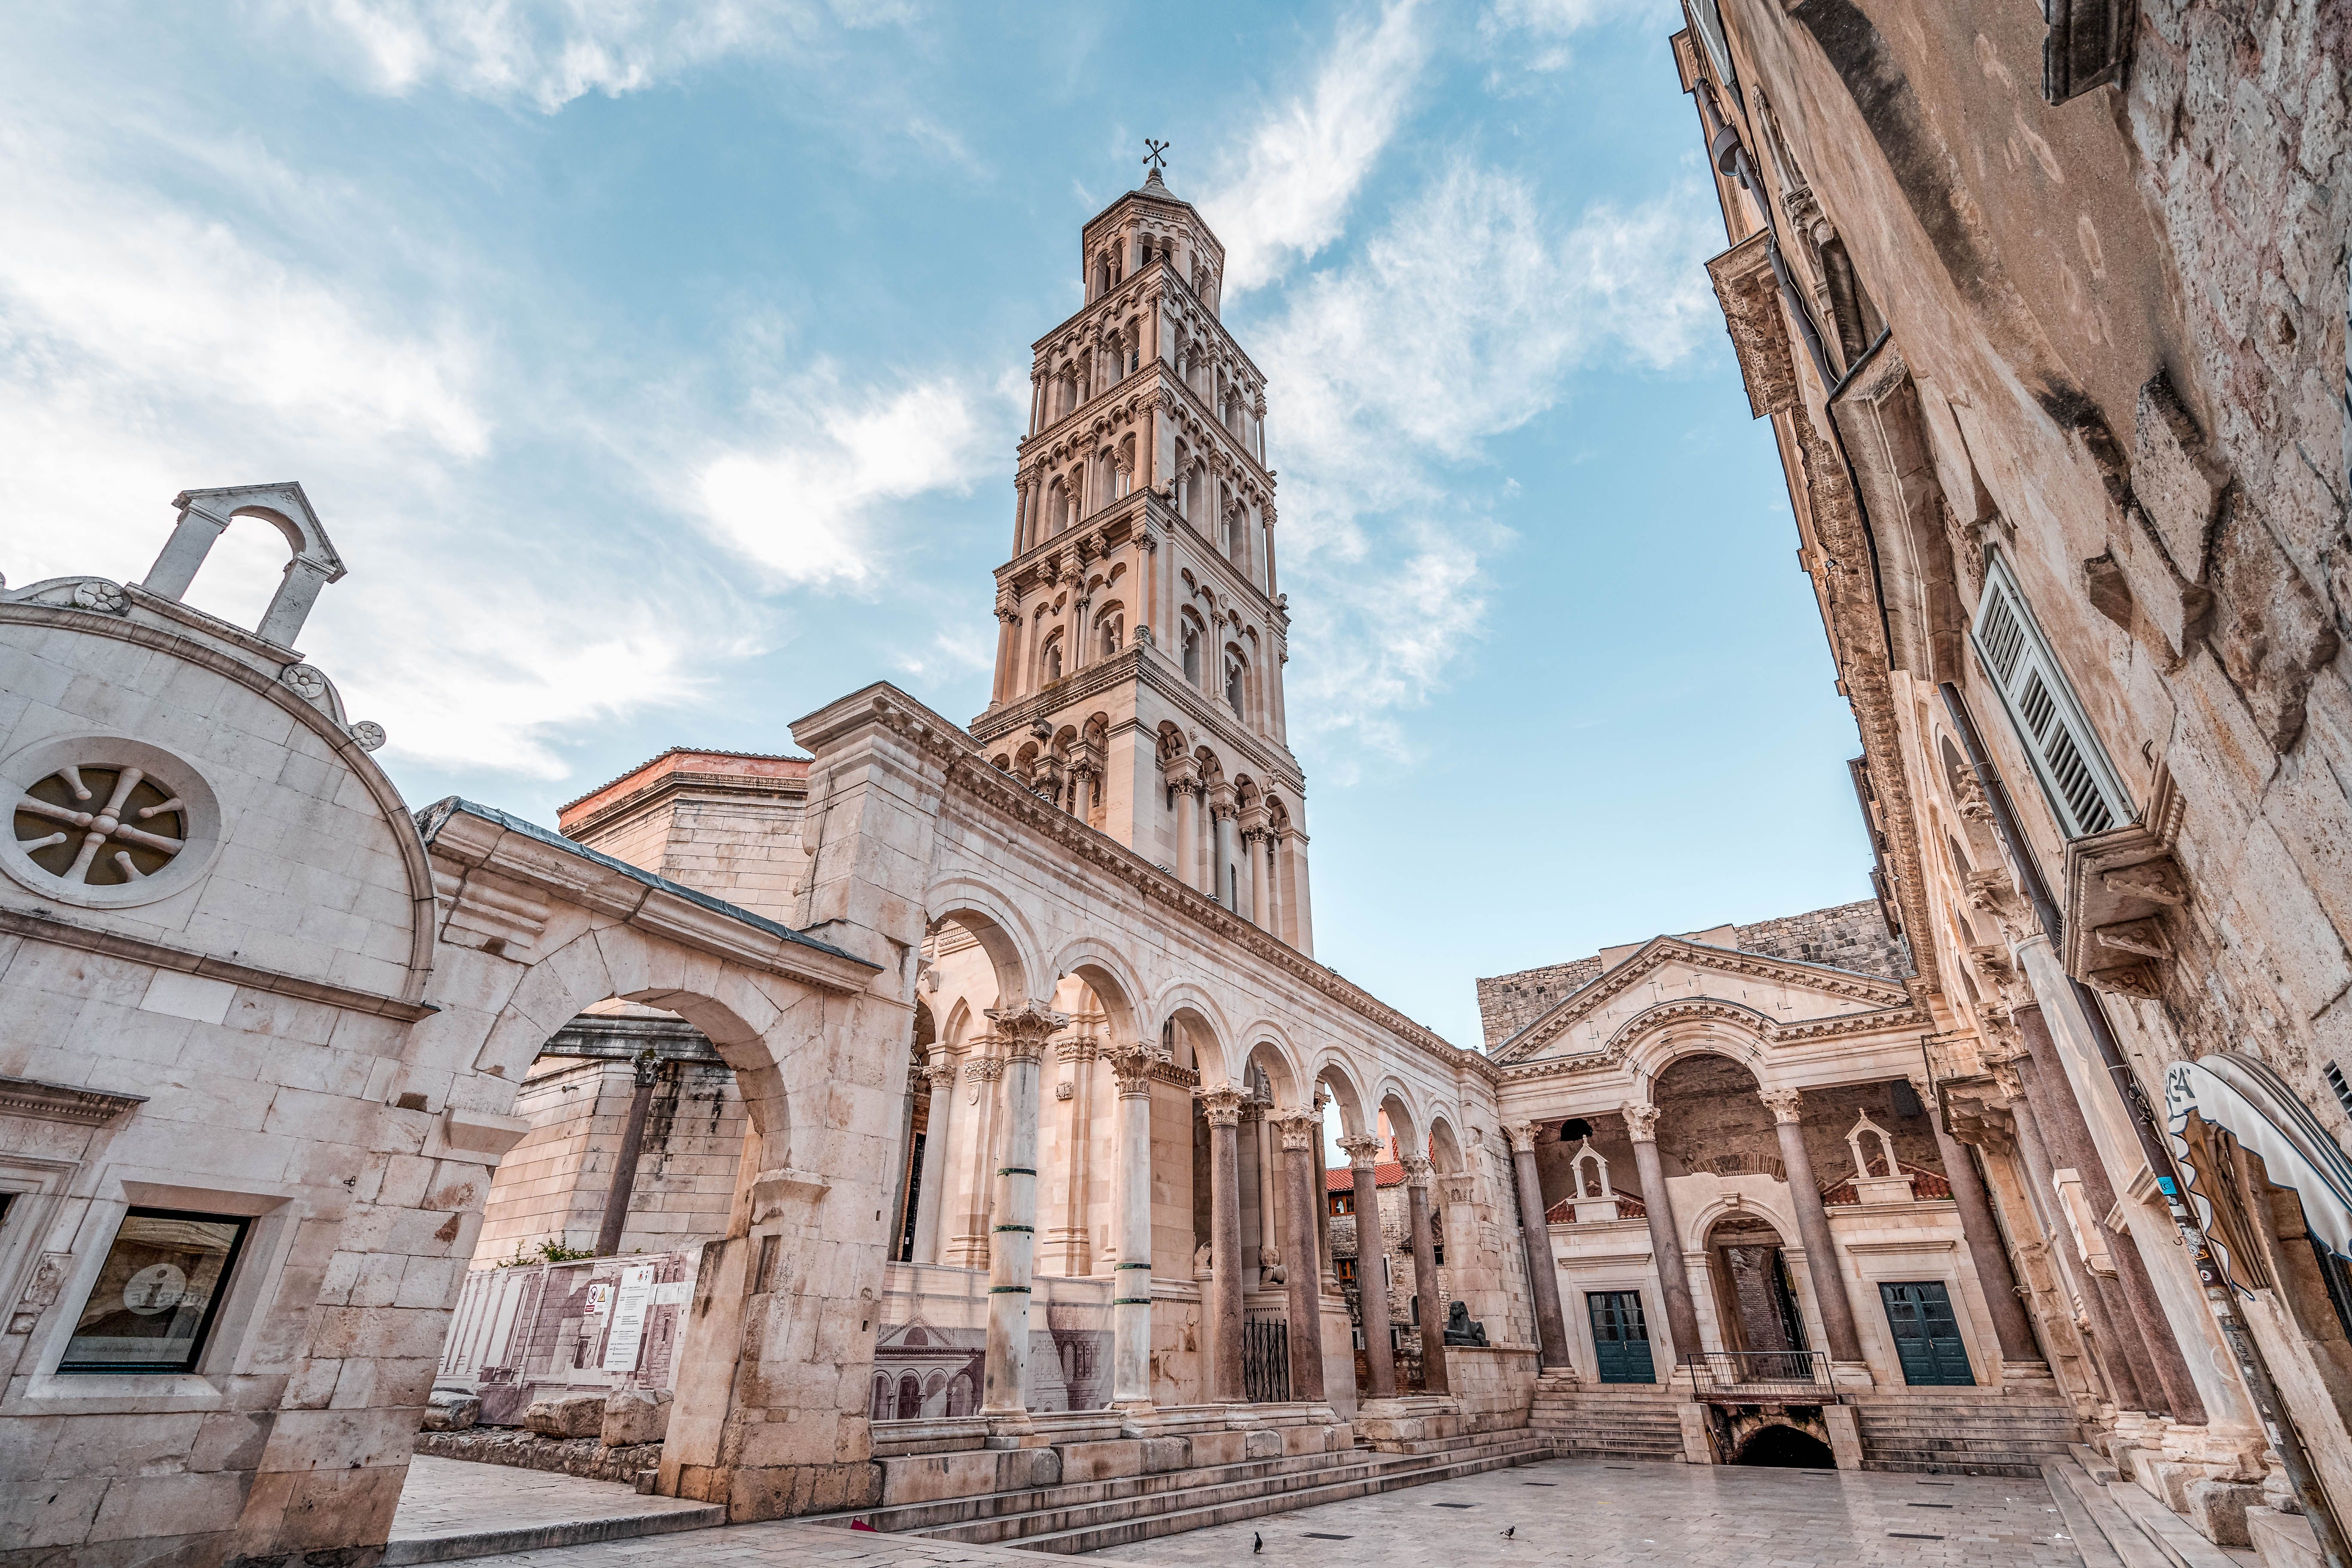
[(2241, 1096)]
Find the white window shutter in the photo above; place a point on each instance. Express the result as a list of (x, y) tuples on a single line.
[(2076, 778)]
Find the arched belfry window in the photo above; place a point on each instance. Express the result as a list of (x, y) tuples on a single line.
[(1053, 661), (1191, 653), (1233, 683)]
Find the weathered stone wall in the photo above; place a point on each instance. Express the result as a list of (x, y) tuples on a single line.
[(1509, 1002), (1845, 936)]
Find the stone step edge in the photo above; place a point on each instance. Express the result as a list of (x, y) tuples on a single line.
[(1108, 1489), (997, 1528), (412, 1549), (1064, 1543)]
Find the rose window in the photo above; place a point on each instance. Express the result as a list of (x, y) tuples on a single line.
[(100, 826)]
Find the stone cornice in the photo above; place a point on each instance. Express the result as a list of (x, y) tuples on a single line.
[(465, 836), (1660, 951), (44, 1101), (1906, 1019), (970, 773), (39, 925)]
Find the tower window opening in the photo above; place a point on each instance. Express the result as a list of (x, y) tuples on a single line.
[(1233, 685), (1192, 654)]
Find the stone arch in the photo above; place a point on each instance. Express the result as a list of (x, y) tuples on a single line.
[(1446, 1145), (996, 923), (1332, 1071), (1113, 982), (1185, 1031), (1404, 1123), (1657, 1036), (1283, 1077)]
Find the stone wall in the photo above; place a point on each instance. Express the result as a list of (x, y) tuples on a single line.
[(1845, 936)]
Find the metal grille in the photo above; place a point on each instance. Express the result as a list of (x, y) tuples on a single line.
[(1780, 1373), (1265, 1360)]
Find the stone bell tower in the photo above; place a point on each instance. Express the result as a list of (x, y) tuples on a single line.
[(1139, 668)]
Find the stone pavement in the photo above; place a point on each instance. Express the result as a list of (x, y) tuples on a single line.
[(1597, 1515), (1566, 1511), (446, 1502)]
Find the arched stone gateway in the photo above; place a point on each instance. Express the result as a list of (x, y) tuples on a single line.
[(1776, 1445)]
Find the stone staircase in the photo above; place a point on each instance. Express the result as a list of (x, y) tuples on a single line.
[(1612, 1421), (1963, 1432), (1087, 1516)]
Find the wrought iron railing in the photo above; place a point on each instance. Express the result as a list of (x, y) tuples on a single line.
[(1765, 1374), (1265, 1360)]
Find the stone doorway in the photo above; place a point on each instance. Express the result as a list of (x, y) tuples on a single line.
[(1776, 1446), (1755, 1299)]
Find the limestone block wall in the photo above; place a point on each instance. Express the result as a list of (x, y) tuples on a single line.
[(554, 1184)]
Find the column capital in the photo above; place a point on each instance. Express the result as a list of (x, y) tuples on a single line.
[(1522, 1135), (1417, 1170), (942, 1071), (1786, 1105), (1222, 1105), (1298, 1128), (984, 1069), (1023, 1029), (1641, 1121), (1132, 1062), (1363, 1150)]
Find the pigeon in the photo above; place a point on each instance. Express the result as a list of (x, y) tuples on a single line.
[(1510, 1532), (1257, 1543)]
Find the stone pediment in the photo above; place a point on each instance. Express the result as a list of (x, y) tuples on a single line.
[(1772, 998)]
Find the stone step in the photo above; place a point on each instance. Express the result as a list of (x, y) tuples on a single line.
[(402, 1552), (943, 1513), (1094, 1536)]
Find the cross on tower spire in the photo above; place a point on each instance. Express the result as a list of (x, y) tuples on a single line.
[(1154, 156)]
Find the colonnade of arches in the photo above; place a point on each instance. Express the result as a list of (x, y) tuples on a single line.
[(1077, 1130)]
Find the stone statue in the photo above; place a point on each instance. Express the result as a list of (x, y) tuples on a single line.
[(1461, 1328)]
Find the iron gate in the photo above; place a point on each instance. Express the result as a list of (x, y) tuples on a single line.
[(1265, 1360)]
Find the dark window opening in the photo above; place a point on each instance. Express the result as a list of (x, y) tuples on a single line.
[(158, 1294)]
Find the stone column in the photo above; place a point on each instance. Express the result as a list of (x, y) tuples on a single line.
[(1268, 851), (1269, 1213), (1372, 1275), (1318, 1188), (930, 1196), (2069, 1136), (2122, 1355), (1666, 1237), (1007, 643), (1068, 1247), (1543, 1269), (1425, 1277), (1012, 1239), (1254, 846), (1222, 1107), (1992, 1259), (1813, 1224), (1220, 838), (624, 1163), (1299, 1130), (984, 1071), (1130, 1308), (1188, 830)]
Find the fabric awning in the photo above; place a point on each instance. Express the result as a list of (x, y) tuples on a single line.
[(2241, 1095)]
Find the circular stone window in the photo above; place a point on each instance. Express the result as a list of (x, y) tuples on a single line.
[(104, 822)]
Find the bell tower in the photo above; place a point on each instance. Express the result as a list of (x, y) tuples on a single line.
[(1141, 641)]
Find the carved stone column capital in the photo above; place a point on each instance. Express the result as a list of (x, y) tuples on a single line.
[(1417, 1170), (1522, 1135), (1641, 1121), (1786, 1104), (1024, 1029), (1222, 1105), (1298, 1129), (1363, 1150), (942, 1071), (1131, 1063), (984, 1069)]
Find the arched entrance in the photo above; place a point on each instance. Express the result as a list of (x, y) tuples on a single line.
[(1776, 1446), (1755, 1298)]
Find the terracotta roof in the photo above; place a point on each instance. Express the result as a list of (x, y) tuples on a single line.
[(1342, 1178)]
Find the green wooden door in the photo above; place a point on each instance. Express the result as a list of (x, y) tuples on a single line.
[(1620, 1340), (1926, 1335)]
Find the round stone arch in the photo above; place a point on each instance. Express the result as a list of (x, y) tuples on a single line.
[(1205, 1023), (1269, 1050), (1653, 1038), (1333, 1070), (1106, 972), (996, 923), (761, 1025), (1405, 1122)]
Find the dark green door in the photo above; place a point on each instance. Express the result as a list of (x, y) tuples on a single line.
[(1926, 1335), (1620, 1340)]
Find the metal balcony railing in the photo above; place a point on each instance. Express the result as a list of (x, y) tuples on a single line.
[(1759, 1375)]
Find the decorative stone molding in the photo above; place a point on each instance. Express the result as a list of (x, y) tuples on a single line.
[(1522, 1135), (45, 1101), (63, 934), (1222, 1105), (1300, 1129), (1640, 1121), (1363, 1150), (1419, 1169), (1786, 1105), (2119, 886), (1131, 1063)]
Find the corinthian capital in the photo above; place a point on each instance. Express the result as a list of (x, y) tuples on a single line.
[(1299, 1128), (1417, 1170), (1786, 1104), (1024, 1029), (1363, 1150), (1641, 1121), (1222, 1105), (1131, 1063), (1522, 1135)]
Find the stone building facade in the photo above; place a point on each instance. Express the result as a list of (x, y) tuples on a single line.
[(2047, 311)]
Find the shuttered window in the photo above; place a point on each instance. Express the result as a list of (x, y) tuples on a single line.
[(2083, 790)]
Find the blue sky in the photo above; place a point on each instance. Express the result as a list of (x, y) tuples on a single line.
[(657, 370)]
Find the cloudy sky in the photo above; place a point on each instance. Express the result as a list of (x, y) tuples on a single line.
[(657, 370)]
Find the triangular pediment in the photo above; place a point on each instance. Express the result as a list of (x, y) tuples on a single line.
[(1772, 995)]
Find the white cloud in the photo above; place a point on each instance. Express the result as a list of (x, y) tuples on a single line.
[(806, 509), (1535, 33), (1462, 320), (549, 52), (1284, 196)]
